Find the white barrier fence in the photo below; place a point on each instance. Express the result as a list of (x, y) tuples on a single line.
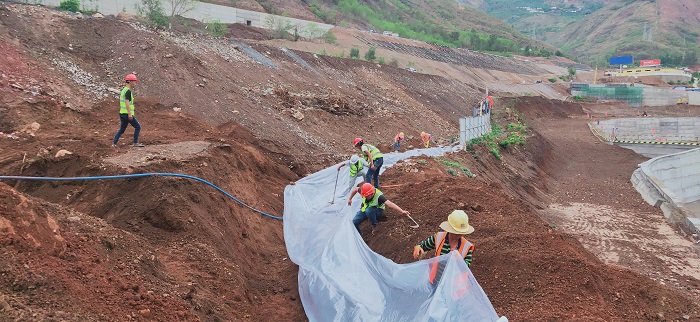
[(473, 127)]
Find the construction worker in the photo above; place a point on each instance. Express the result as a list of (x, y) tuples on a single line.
[(425, 137), (357, 169), (373, 204), (452, 238), (127, 114), (397, 142), (374, 158)]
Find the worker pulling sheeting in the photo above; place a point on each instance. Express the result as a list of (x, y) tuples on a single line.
[(342, 279)]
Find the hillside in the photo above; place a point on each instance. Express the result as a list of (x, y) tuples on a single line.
[(592, 31), (254, 117), (443, 22)]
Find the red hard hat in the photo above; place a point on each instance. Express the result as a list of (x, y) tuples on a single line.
[(357, 141), (366, 190), (131, 77)]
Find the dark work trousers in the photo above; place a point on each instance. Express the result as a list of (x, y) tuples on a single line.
[(124, 118)]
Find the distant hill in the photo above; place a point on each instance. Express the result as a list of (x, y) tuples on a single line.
[(443, 22), (594, 30)]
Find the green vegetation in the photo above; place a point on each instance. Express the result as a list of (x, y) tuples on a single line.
[(421, 161), (441, 24), (552, 80), (70, 5), (371, 53), (329, 37), (217, 29), (153, 11), (280, 27), (355, 53), (381, 61), (454, 166), (514, 134), (578, 98)]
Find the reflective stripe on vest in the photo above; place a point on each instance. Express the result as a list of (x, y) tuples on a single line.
[(374, 202), (373, 151), (354, 167), (122, 102), (439, 242)]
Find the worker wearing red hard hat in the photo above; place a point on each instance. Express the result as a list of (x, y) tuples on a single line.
[(397, 142), (425, 138), (127, 113), (373, 204), (374, 157)]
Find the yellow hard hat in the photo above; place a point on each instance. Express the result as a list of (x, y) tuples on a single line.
[(457, 223)]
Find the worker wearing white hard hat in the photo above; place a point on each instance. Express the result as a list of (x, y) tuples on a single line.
[(358, 169)]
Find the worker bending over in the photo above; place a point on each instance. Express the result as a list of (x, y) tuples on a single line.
[(425, 138), (374, 158), (357, 169), (397, 142), (373, 204)]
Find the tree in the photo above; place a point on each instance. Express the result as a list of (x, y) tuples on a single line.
[(691, 58), (69, 5), (313, 30), (572, 71), (329, 37), (370, 54), (280, 26), (153, 10), (180, 7), (355, 53)]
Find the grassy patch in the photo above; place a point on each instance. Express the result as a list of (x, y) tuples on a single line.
[(455, 167), (515, 133)]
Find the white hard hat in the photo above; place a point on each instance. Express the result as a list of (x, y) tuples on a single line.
[(354, 158)]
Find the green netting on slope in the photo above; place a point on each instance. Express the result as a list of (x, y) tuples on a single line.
[(631, 95)]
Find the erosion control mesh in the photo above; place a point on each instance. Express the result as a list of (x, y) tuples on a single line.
[(342, 279)]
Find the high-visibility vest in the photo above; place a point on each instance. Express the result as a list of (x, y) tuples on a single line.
[(373, 151), (439, 242), (122, 102), (374, 202), (354, 167)]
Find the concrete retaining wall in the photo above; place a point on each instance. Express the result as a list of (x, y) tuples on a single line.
[(667, 129), (679, 173), (661, 97), (473, 127), (671, 182), (207, 12), (694, 98)]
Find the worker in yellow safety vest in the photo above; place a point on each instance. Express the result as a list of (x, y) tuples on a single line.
[(425, 138), (374, 158), (373, 205), (127, 112), (358, 168), (450, 239)]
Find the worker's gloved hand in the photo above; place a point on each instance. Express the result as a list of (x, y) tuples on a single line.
[(405, 212), (417, 251)]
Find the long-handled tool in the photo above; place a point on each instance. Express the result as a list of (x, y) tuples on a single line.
[(335, 186), (416, 224)]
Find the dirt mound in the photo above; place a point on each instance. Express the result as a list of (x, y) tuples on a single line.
[(176, 249), (60, 264), (529, 269)]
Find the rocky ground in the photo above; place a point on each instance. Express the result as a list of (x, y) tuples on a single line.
[(547, 243)]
